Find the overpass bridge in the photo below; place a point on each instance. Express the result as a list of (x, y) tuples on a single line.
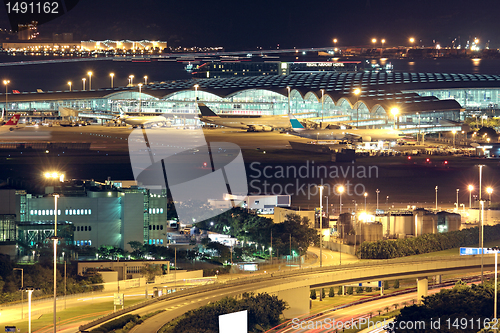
[(294, 286)]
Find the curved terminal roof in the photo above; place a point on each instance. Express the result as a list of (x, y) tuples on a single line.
[(377, 88)]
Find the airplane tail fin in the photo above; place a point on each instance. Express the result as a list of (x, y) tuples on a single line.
[(206, 112), (296, 125), (13, 121), (122, 113)]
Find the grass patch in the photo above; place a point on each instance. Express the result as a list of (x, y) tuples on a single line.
[(79, 314)]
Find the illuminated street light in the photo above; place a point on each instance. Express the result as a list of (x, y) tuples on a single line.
[(340, 190), (321, 187), (145, 79), (55, 239), (335, 41), (412, 40), (383, 42), (69, 84), (83, 83), (112, 75), (131, 77), (288, 88), (457, 199), (356, 92), (481, 202), (140, 94), (322, 103), (365, 195), (90, 80), (6, 82), (436, 197), (470, 187), (395, 112), (377, 197), (489, 190), (374, 40)]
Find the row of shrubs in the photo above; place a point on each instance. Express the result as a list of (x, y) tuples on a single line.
[(350, 290), (388, 249)]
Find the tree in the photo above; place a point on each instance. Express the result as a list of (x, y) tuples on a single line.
[(386, 309), (359, 290), (340, 291), (396, 284), (323, 295), (150, 271), (313, 294), (368, 289), (395, 305), (386, 285), (350, 290), (331, 293)]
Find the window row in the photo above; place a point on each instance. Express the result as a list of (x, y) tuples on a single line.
[(42, 212), (83, 228), (156, 242), (78, 211), (156, 227), (155, 210), (83, 243)]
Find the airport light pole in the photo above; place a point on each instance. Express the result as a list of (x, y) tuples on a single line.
[(457, 199), (140, 94), (357, 91), (395, 112), (90, 80), (436, 198), (340, 190), (145, 79), (321, 187), (365, 195), (131, 77), (377, 191), (55, 239), (470, 187), (83, 83), (6, 82), (489, 190), (288, 89), (22, 286), (481, 202), (112, 75), (69, 84), (322, 103)]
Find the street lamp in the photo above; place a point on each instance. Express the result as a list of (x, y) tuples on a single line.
[(22, 286), (365, 195), (335, 42), (356, 92), (145, 79), (322, 103), (457, 199), (321, 187), (90, 80), (482, 220), (489, 190), (470, 187), (412, 40), (55, 238), (30, 292), (288, 89), (140, 94), (6, 82), (69, 84), (436, 197), (383, 42), (340, 190), (83, 83), (112, 75), (395, 112), (377, 191), (374, 40), (131, 77)]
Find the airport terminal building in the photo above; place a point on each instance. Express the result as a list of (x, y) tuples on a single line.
[(435, 101)]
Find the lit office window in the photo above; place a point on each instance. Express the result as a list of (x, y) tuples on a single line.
[(31, 212), (149, 210), (43, 212), (161, 241), (161, 210), (86, 211), (77, 212), (74, 211), (90, 242), (51, 212), (58, 212)]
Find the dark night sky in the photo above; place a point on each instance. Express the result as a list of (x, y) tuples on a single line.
[(249, 24)]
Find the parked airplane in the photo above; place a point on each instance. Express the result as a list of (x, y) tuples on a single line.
[(11, 124), (142, 121), (252, 123), (353, 134)]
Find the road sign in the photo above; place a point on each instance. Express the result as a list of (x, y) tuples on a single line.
[(10, 328), (118, 299), (471, 251)]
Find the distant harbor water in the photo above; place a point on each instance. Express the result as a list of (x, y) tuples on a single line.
[(55, 76)]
